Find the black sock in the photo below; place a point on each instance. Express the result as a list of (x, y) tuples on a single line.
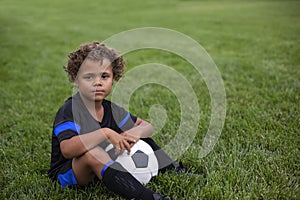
[(121, 182), (165, 163)]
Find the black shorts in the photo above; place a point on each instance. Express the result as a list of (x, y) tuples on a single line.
[(65, 175)]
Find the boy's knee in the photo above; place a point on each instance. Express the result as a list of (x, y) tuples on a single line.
[(97, 156)]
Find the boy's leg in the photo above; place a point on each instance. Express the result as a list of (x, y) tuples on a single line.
[(114, 177), (89, 165), (165, 162), (118, 180)]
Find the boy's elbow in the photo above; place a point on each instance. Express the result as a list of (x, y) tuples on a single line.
[(65, 149), (151, 129)]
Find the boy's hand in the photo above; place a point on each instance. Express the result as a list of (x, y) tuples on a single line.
[(120, 141), (135, 138)]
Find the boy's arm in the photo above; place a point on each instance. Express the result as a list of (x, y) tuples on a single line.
[(141, 129), (80, 144)]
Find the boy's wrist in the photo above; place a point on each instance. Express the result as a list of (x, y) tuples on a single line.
[(107, 132)]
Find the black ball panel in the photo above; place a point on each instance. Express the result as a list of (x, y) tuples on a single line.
[(140, 159)]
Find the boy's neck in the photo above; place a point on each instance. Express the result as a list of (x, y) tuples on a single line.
[(95, 108)]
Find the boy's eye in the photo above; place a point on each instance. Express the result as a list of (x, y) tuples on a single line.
[(88, 77), (105, 76)]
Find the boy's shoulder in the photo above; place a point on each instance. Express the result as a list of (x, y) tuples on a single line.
[(65, 111), (67, 105)]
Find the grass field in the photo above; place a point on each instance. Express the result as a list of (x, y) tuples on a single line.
[(255, 44)]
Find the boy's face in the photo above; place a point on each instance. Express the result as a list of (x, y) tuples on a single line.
[(94, 80)]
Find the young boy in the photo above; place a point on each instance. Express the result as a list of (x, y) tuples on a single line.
[(87, 122)]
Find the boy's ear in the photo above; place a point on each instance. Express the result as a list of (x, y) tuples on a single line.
[(76, 83)]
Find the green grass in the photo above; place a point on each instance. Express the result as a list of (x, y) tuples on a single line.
[(255, 44)]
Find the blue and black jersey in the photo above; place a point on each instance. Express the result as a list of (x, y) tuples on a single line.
[(73, 119)]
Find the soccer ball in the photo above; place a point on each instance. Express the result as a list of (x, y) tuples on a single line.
[(141, 162)]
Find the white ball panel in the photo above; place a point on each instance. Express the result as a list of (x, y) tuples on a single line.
[(143, 175)]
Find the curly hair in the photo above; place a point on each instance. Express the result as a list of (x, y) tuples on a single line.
[(94, 51)]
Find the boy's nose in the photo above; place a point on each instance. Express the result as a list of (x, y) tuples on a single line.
[(98, 81)]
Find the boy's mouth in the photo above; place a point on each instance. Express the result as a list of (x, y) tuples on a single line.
[(99, 91)]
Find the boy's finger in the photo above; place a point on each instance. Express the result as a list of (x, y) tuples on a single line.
[(121, 146), (130, 139), (119, 149), (127, 146), (131, 144)]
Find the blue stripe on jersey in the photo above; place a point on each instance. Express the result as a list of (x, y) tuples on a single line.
[(124, 120), (66, 126)]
